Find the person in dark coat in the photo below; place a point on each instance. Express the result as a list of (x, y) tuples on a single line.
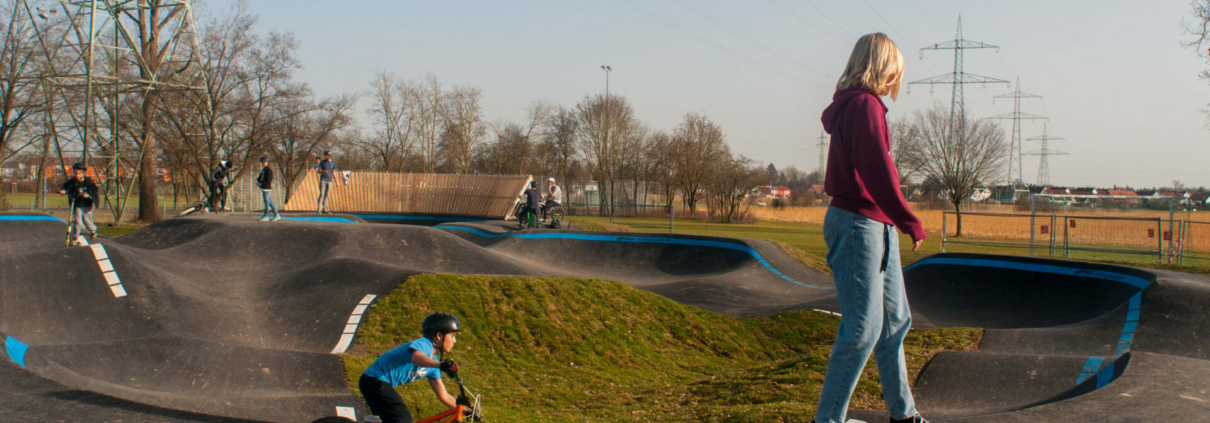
[(218, 192), (265, 182)]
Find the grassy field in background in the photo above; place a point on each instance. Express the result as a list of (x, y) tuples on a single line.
[(581, 349)]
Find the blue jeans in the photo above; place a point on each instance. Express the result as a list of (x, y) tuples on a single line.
[(268, 197), (864, 256), (322, 201)]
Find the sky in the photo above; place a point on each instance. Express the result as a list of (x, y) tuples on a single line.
[(1116, 82)]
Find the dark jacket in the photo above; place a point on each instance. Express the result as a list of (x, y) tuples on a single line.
[(533, 198), (219, 174), (861, 176), (74, 188), (265, 179)]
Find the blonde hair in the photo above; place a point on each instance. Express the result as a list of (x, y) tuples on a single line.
[(875, 64)]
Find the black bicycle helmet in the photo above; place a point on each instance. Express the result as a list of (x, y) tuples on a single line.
[(264, 159), (79, 166), (533, 184), (440, 323)]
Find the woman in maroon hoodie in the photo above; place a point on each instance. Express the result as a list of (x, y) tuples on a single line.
[(863, 248)]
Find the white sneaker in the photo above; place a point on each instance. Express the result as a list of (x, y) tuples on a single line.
[(277, 217), (263, 218)]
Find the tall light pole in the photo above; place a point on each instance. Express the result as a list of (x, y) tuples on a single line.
[(607, 70)]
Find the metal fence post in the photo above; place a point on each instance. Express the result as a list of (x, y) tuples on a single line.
[(1032, 228), (944, 215), (1159, 240), (1052, 235), (1066, 237)]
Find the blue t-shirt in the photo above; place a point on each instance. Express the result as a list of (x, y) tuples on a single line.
[(327, 170), (396, 368)]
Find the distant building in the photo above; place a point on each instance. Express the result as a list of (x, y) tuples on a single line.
[(772, 191)]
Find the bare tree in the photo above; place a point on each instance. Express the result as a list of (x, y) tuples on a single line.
[(20, 98), (958, 163), (303, 128), (660, 152), (430, 123), (1199, 28), (700, 147), (464, 127), (602, 122), (905, 148), (395, 111), (560, 139), (728, 188)]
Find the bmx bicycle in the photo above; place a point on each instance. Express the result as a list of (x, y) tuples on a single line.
[(524, 217), (556, 215), (203, 206), (466, 408)]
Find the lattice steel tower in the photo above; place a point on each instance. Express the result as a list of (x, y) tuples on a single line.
[(823, 153), (959, 77), (1015, 177), (1043, 153), (110, 62)]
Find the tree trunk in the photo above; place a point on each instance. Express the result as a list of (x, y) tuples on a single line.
[(958, 217), (149, 211)]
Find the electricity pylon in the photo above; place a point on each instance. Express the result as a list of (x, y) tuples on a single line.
[(1043, 153), (1015, 177), (959, 77), (101, 53), (823, 153)]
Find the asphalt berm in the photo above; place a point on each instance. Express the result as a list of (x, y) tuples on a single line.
[(223, 318)]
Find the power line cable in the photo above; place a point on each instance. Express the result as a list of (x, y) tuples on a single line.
[(943, 30), (821, 12), (758, 44), (716, 45), (808, 22)]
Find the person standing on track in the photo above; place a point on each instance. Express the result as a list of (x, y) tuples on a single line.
[(554, 196), (859, 229), (265, 182), (81, 191), (327, 176), (408, 363)]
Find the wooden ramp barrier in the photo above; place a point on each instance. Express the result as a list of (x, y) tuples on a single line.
[(491, 196)]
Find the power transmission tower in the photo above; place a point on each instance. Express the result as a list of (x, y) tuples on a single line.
[(1015, 177), (1043, 163), (823, 153), (958, 78), (103, 54)]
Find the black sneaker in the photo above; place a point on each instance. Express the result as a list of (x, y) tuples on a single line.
[(913, 419), (92, 236)]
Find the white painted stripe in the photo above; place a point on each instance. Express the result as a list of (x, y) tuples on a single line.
[(98, 251), (118, 291), (368, 298), (106, 266), (361, 309), (345, 340), (355, 319), (82, 240), (346, 412), (351, 329), (112, 278)]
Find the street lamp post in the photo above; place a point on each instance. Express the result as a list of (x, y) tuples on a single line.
[(607, 70)]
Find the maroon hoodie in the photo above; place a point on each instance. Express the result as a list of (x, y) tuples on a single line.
[(861, 177)]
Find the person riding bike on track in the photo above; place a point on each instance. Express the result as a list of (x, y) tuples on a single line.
[(409, 362), (554, 197), (218, 191)]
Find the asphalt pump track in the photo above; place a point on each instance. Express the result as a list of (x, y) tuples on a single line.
[(223, 318)]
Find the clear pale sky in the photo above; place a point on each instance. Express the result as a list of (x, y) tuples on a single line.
[(1115, 80)]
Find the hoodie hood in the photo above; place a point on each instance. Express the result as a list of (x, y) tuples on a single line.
[(839, 100)]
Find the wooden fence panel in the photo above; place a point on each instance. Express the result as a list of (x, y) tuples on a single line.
[(413, 193)]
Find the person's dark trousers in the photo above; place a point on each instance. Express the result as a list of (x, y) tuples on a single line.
[(218, 197), (550, 204), (534, 211), (384, 402)]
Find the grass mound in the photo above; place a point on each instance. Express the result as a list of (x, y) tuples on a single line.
[(581, 349)]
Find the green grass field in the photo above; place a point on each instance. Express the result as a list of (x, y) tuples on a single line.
[(580, 349)]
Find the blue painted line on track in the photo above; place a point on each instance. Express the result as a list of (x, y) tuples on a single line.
[(31, 218), (16, 350), (640, 240), (1125, 340), (321, 219), (410, 217)]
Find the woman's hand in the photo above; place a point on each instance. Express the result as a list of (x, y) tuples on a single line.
[(916, 244)]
